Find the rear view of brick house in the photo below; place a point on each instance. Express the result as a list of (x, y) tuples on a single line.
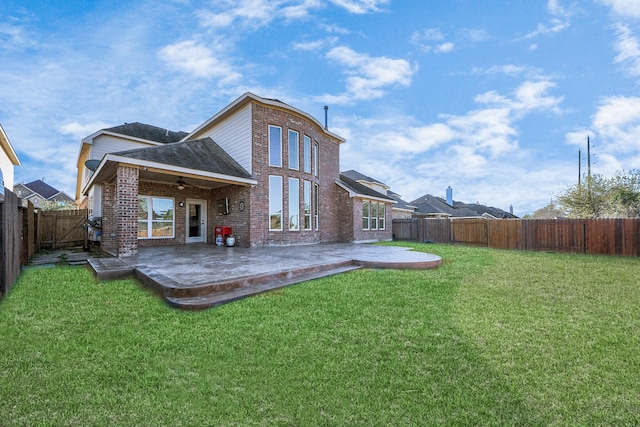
[(262, 167)]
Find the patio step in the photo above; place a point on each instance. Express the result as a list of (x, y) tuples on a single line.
[(259, 285)]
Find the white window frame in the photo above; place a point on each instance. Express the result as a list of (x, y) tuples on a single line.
[(272, 154), (307, 205), (294, 204), (366, 216), (316, 206), (382, 216), (275, 202), (293, 138), (316, 159), (150, 221), (306, 151)]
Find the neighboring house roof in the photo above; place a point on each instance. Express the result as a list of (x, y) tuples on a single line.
[(401, 204), (42, 188), (429, 204), (356, 189), (148, 132), (200, 154)]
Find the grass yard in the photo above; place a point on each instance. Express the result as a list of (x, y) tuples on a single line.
[(490, 338)]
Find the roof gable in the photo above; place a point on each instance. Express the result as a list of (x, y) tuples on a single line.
[(42, 188), (200, 154), (361, 190), (148, 132)]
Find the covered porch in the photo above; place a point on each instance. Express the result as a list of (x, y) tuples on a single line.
[(168, 195)]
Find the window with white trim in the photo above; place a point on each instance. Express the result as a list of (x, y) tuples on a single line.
[(307, 204), (316, 205), (294, 150), (373, 215), (275, 146), (294, 204), (366, 217), (306, 154), (316, 160), (156, 217), (275, 203)]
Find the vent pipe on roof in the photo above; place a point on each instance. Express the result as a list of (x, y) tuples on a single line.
[(326, 117), (511, 209), (450, 196)]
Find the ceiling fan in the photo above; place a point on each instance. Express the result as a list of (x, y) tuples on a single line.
[(181, 183)]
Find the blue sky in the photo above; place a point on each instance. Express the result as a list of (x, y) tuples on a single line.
[(492, 98)]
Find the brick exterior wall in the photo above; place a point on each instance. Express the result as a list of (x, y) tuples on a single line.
[(237, 219), (126, 210), (329, 160), (109, 240), (360, 235), (155, 189)]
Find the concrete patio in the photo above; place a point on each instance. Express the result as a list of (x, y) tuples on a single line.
[(200, 276)]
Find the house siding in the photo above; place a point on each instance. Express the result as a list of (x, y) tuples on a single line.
[(6, 166), (233, 135), (105, 144)]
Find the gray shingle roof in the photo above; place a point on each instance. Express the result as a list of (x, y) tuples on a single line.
[(357, 176), (200, 154), (401, 203), (148, 132), (429, 204), (42, 188), (361, 189)]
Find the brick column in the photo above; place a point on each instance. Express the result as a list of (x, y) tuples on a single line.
[(126, 210)]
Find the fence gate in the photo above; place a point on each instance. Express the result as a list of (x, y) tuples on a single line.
[(61, 229)]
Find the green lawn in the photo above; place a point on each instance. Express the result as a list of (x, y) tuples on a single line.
[(490, 338)]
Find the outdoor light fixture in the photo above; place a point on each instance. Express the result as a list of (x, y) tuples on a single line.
[(181, 184)]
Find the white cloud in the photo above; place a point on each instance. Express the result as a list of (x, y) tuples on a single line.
[(368, 76), (476, 35), (79, 130), (628, 48), (530, 96), (431, 40), (261, 13), (614, 134), (511, 70), (443, 48), (617, 124), (316, 44), (630, 8), (201, 61), (361, 6), (13, 37), (560, 20)]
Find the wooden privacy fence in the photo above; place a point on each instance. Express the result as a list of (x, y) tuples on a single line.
[(592, 236), (25, 231), (11, 216), (60, 229)]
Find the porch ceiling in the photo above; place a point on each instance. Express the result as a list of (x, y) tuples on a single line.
[(167, 174)]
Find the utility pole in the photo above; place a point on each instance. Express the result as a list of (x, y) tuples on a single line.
[(588, 159), (579, 167)]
